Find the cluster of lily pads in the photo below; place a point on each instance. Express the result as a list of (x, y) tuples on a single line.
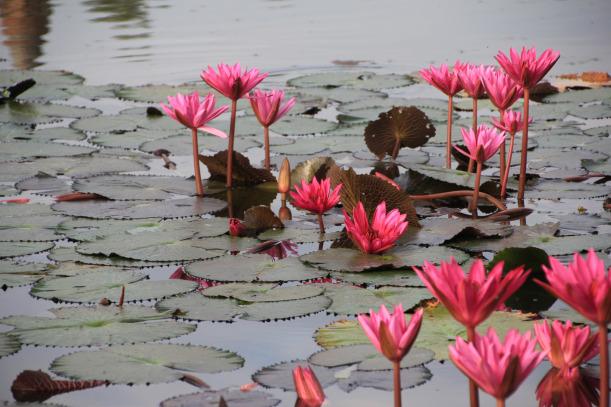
[(103, 225)]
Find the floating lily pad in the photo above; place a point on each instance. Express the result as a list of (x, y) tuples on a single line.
[(436, 231), (367, 357), (460, 178), (381, 102), (18, 133), (352, 260), (557, 158), (125, 122), (9, 77), (63, 254), (280, 375), (341, 95), (571, 224), (298, 235), (362, 80), (198, 307), (181, 144), (14, 274), (396, 278), (565, 313), (580, 96), (232, 398), (253, 268), (37, 113), (145, 363), (44, 184), (31, 228), (313, 145), (566, 190), (91, 286), (96, 326), (380, 380), (13, 249), (348, 130), (549, 111), (603, 131), (262, 292), (131, 139), (160, 93), (565, 140), (16, 150), (174, 208), (8, 345), (407, 157)]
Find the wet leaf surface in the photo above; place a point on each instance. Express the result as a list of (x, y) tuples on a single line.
[(232, 398)]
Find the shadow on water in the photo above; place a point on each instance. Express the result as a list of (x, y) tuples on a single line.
[(24, 24)]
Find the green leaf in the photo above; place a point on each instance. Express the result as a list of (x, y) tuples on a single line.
[(8, 345), (13, 274), (367, 358), (233, 398), (13, 249)]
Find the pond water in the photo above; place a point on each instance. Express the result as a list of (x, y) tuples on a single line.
[(168, 42)]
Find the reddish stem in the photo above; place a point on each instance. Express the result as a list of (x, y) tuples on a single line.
[(449, 135), (478, 177), (122, 297), (473, 391), (604, 365), (474, 126), (266, 139), (199, 189), (397, 382), (395, 150), (522, 185), (234, 107), (454, 194), (502, 153), (505, 179), (321, 224), (500, 402)]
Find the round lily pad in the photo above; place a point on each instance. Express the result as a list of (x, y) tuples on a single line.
[(44, 184), (96, 326), (367, 358), (460, 178), (362, 80), (298, 235), (580, 96), (9, 77), (341, 94), (20, 133), (335, 144), (436, 231), (92, 286), (280, 375), (232, 398), (17, 150), (13, 249), (14, 274), (173, 208), (566, 190), (32, 228), (181, 144), (351, 260), (8, 345), (263, 292), (131, 139), (38, 113), (145, 363), (253, 268), (382, 380), (396, 278), (63, 254)]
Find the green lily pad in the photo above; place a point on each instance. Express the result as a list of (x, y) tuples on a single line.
[(31, 228), (12, 132), (549, 111), (367, 357), (14, 249), (8, 345), (565, 313), (362, 80), (381, 380), (253, 268), (580, 96), (38, 113), (44, 184), (455, 177), (181, 144), (126, 121), (262, 292), (131, 139), (298, 235), (348, 130), (160, 93), (63, 254), (15, 150), (174, 208), (351, 300), (602, 131), (557, 158), (92, 286), (396, 278), (565, 190), (335, 144), (96, 326), (145, 363), (198, 307), (436, 231), (341, 95), (14, 274), (438, 330), (280, 375), (351, 260), (232, 398), (9, 77), (565, 140), (381, 102)]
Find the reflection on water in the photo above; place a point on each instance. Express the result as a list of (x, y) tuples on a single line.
[(24, 23), (127, 14)]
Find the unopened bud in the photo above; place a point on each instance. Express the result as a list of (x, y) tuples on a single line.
[(284, 177), (285, 213)]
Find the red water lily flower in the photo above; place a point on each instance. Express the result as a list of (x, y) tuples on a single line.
[(232, 81), (308, 388)]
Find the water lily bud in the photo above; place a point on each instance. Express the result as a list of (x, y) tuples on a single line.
[(284, 177), (285, 214)]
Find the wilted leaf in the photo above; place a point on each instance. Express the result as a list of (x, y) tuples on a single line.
[(36, 385), (261, 218), (243, 172)]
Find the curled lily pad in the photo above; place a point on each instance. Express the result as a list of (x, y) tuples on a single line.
[(145, 363), (253, 268), (362, 80), (96, 326), (17, 150), (198, 307), (173, 208), (8, 345), (13, 249), (367, 357), (91, 286), (351, 260), (308, 169), (14, 274), (232, 398)]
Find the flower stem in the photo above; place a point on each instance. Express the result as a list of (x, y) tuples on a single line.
[(512, 137), (522, 185), (397, 382), (321, 224), (199, 189), (234, 107), (122, 297), (502, 153), (604, 365), (266, 139), (478, 176), (473, 392), (474, 126), (449, 135), (500, 402), (454, 194)]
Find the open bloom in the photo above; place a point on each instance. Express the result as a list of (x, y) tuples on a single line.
[(573, 389), (191, 113), (501, 89), (524, 67), (470, 298), (483, 145), (470, 77), (316, 197), (390, 334), (231, 81), (497, 367), (584, 284), (379, 235), (565, 345), (268, 106), (511, 122), (308, 388), (443, 79)]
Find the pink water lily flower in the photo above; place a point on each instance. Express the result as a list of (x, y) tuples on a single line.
[(193, 113), (316, 197), (270, 106), (511, 122), (308, 388), (389, 333), (565, 345), (525, 67), (472, 297), (483, 145), (232, 81), (470, 77), (502, 91), (498, 367), (379, 235), (443, 78), (236, 227), (574, 388)]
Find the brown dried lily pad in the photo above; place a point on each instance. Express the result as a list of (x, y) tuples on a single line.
[(406, 125), (371, 190), (243, 172), (315, 168), (36, 385), (260, 218)]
